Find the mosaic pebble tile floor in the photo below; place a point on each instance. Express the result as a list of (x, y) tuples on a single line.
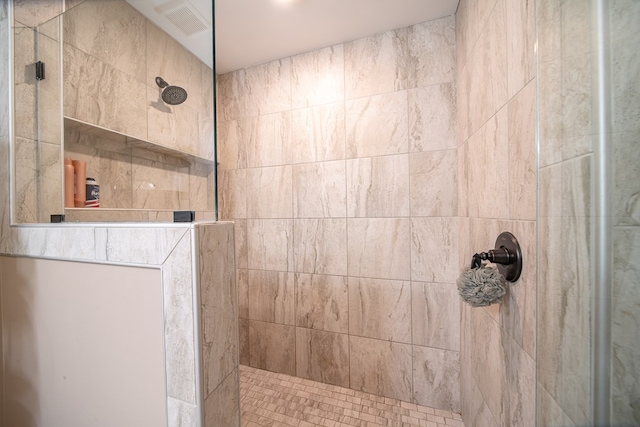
[(270, 399)]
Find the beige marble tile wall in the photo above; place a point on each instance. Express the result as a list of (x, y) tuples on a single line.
[(568, 168), (565, 156), (497, 192), (625, 322), (219, 302), (116, 88), (339, 168)]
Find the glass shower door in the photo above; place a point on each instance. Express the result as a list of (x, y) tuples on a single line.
[(588, 212)]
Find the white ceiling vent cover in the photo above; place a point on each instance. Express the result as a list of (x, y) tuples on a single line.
[(184, 16)]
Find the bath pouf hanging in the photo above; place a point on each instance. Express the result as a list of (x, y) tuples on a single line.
[(481, 286)]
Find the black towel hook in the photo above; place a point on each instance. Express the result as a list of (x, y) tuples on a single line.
[(507, 255)]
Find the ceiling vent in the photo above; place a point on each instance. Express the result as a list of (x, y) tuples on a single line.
[(184, 16)]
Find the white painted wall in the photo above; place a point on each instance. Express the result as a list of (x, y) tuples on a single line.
[(83, 344)]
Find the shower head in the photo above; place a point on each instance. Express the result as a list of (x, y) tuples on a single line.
[(172, 95)]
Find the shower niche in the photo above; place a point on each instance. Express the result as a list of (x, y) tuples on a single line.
[(100, 102)]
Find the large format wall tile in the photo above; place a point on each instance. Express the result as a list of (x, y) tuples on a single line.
[(232, 143), (380, 309), (432, 118), (626, 325), (320, 246), (231, 96), (488, 64), (271, 297), (432, 48), (379, 248), (174, 126), (522, 387), (26, 183), (549, 412), (521, 45), (435, 378), (222, 406), (519, 306), (433, 177), (270, 244), (377, 125), (91, 99), (177, 287), (381, 367), (49, 90), (435, 315), (97, 28), (269, 143), (434, 237), (522, 174), (487, 155), (626, 189), (25, 109), (166, 58), (201, 180), (232, 194), (376, 64), (269, 192), (322, 302), (244, 345), (38, 193), (475, 410), (268, 88), (490, 354), (318, 133), (273, 347), (319, 190), (243, 292), (317, 77), (242, 255), (378, 187), (626, 106), (322, 356)]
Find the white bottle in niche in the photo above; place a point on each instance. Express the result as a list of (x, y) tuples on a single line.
[(93, 194)]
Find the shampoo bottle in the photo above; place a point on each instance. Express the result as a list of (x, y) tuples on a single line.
[(81, 179), (69, 172)]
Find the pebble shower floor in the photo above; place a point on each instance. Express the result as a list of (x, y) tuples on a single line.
[(270, 399)]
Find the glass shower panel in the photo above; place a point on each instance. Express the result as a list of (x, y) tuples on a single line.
[(624, 69), (38, 125), (588, 213)]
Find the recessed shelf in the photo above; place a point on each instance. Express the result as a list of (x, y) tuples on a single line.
[(100, 132)]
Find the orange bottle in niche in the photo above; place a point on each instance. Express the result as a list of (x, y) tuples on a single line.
[(69, 176), (80, 181)]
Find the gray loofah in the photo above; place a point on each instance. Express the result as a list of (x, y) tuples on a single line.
[(481, 286)]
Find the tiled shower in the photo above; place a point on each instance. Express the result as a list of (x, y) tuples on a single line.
[(363, 176), (339, 168)]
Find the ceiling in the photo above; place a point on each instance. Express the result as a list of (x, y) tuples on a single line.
[(251, 32)]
